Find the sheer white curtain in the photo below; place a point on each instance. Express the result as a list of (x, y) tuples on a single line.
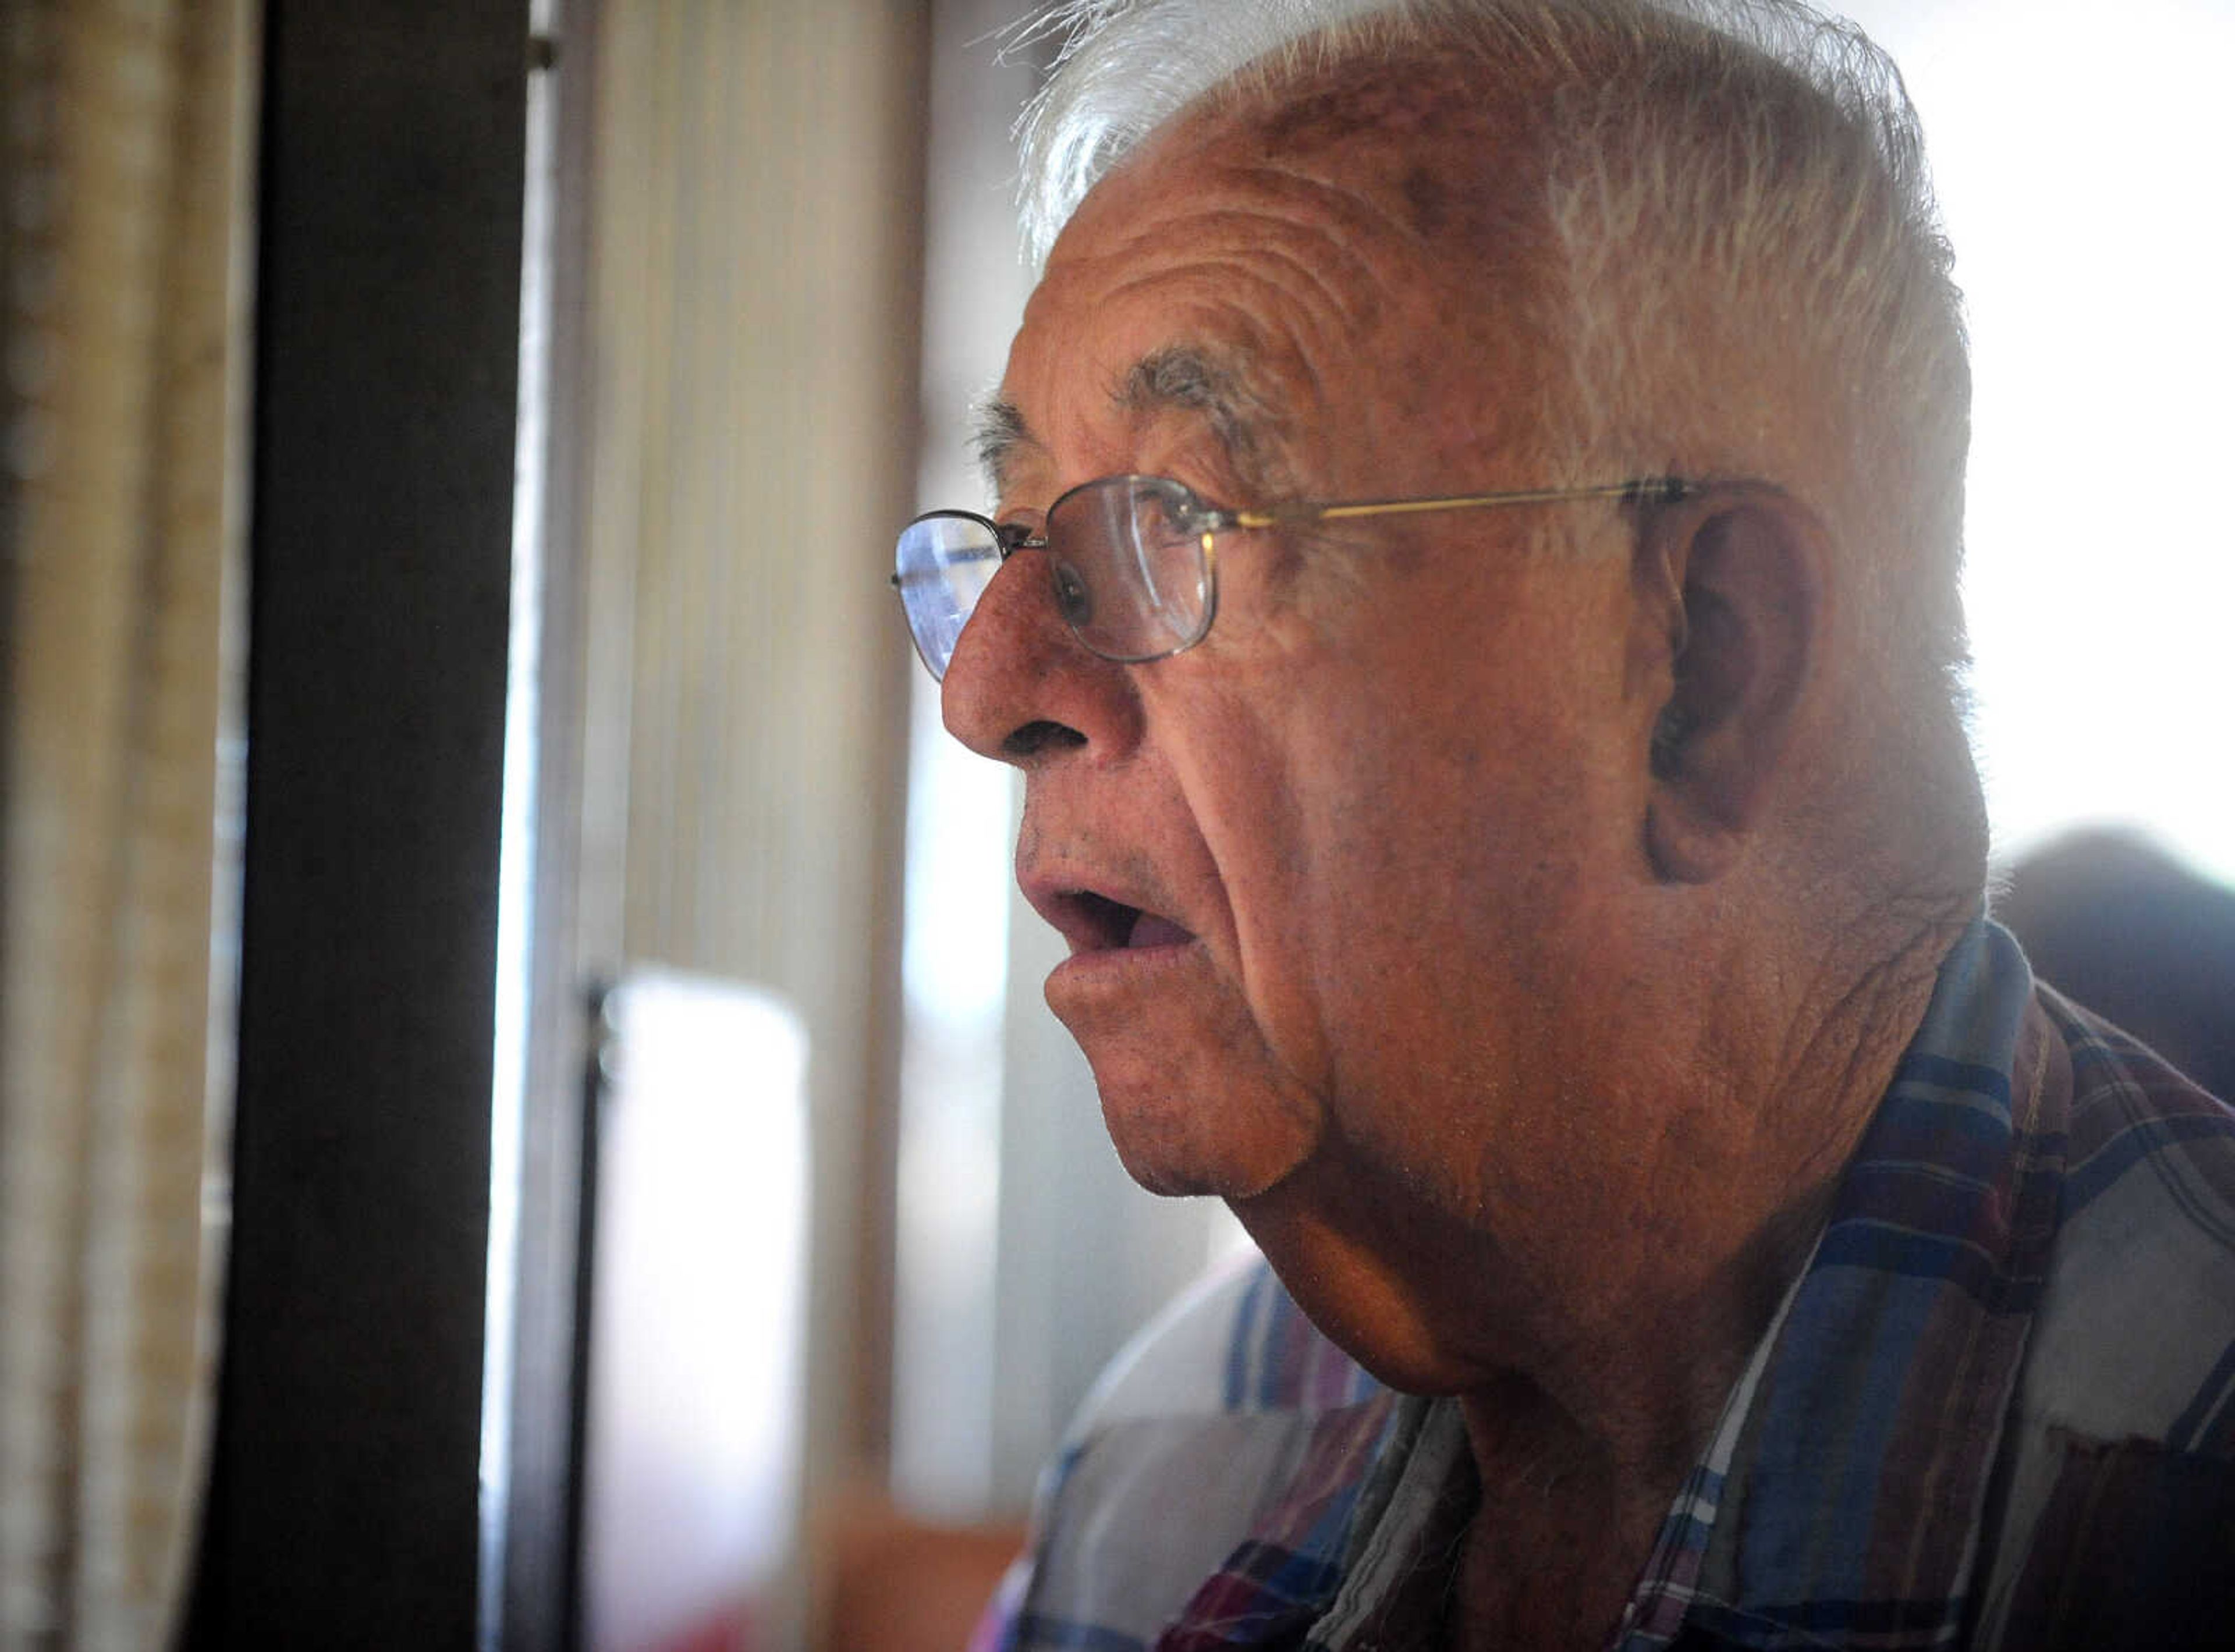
[(125, 172), (751, 329)]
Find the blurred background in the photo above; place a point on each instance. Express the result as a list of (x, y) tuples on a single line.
[(526, 1115)]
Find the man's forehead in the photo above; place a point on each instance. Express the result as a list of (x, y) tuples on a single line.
[(1372, 182)]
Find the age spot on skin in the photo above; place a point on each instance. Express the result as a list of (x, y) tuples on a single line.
[(1429, 201)]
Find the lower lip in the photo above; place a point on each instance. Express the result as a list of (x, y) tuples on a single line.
[(1111, 966)]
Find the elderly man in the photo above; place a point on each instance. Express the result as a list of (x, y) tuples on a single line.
[(1472, 598)]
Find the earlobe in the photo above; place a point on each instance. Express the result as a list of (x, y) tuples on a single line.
[(1746, 570)]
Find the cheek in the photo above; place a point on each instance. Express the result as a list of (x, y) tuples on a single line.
[(1398, 822), (1295, 598), (1338, 877), (1252, 792), (1442, 857)]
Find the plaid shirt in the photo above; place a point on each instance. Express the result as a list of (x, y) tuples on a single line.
[(1995, 1410)]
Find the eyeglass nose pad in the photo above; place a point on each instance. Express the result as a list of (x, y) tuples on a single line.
[(1073, 600)]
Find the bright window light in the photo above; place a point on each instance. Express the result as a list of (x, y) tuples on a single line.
[(2081, 155)]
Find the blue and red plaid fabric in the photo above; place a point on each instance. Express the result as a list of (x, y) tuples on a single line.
[(1996, 1410)]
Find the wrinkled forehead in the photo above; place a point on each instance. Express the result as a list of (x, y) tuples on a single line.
[(1356, 248)]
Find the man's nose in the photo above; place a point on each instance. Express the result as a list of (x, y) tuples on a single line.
[(1021, 688)]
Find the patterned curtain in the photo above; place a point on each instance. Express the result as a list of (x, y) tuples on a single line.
[(124, 184)]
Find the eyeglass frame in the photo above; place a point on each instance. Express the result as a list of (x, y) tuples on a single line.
[(1208, 520)]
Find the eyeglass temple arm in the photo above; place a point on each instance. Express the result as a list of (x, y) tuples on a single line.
[(1650, 490), (1653, 490)]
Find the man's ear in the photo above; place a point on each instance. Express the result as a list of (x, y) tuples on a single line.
[(1739, 574)]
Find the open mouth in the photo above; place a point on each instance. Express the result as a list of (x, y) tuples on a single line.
[(1105, 925)]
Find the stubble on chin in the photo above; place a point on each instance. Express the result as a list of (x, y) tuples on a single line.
[(1194, 1101)]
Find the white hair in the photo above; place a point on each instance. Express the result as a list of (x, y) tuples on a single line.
[(1121, 70), (1723, 181)]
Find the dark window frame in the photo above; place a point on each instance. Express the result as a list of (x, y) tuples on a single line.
[(344, 1509)]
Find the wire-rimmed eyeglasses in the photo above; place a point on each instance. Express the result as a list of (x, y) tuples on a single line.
[(1133, 560)]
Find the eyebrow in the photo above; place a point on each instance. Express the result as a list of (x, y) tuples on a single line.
[(997, 430), (1176, 379), (1182, 377)]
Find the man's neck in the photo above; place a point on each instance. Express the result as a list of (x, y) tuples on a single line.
[(1580, 1459), (1548, 1566), (1572, 1508)]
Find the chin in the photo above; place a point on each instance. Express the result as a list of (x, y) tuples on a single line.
[(1235, 1144), (1194, 1099)]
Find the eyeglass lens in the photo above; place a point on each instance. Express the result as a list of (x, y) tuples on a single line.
[(1125, 563), (1127, 548), (945, 562)]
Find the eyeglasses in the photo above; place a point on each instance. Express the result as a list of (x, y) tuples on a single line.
[(1133, 560)]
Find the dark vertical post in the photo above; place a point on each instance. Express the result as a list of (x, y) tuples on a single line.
[(343, 1507)]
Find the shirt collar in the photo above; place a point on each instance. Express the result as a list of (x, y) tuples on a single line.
[(1844, 1493)]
